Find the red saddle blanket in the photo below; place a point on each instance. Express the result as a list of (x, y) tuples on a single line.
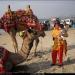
[(18, 19)]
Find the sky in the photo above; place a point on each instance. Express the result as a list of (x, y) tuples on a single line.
[(41, 8)]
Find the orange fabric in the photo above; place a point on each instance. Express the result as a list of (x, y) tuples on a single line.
[(56, 32), (57, 42)]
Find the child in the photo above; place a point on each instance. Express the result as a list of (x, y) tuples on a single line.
[(58, 47)]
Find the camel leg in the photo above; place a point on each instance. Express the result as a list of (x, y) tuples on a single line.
[(13, 37), (36, 44)]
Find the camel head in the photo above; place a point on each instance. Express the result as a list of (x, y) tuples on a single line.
[(41, 31)]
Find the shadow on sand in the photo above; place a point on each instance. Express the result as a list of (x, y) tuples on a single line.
[(43, 52), (39, 54), (69, 61), (33, 67)]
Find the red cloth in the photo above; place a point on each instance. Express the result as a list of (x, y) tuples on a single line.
[(5, 54), (39, 27), (58, 53), (2, 70), (7, 27), (20, 18), (31, 24)]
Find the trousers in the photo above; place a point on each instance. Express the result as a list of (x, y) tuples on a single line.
[(58, 53)]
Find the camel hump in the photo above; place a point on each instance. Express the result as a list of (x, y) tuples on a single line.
[(19, 20)]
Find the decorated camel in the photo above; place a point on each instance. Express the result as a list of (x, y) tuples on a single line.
[(10, 59), (16, 21), (12, 23)]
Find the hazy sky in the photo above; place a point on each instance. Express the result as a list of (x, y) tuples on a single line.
[(42, 8)]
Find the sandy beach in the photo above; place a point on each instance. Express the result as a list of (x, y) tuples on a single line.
[(41, 63)]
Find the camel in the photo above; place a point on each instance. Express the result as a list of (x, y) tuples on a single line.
[(36, 38), (16, 21), (11, 59)]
